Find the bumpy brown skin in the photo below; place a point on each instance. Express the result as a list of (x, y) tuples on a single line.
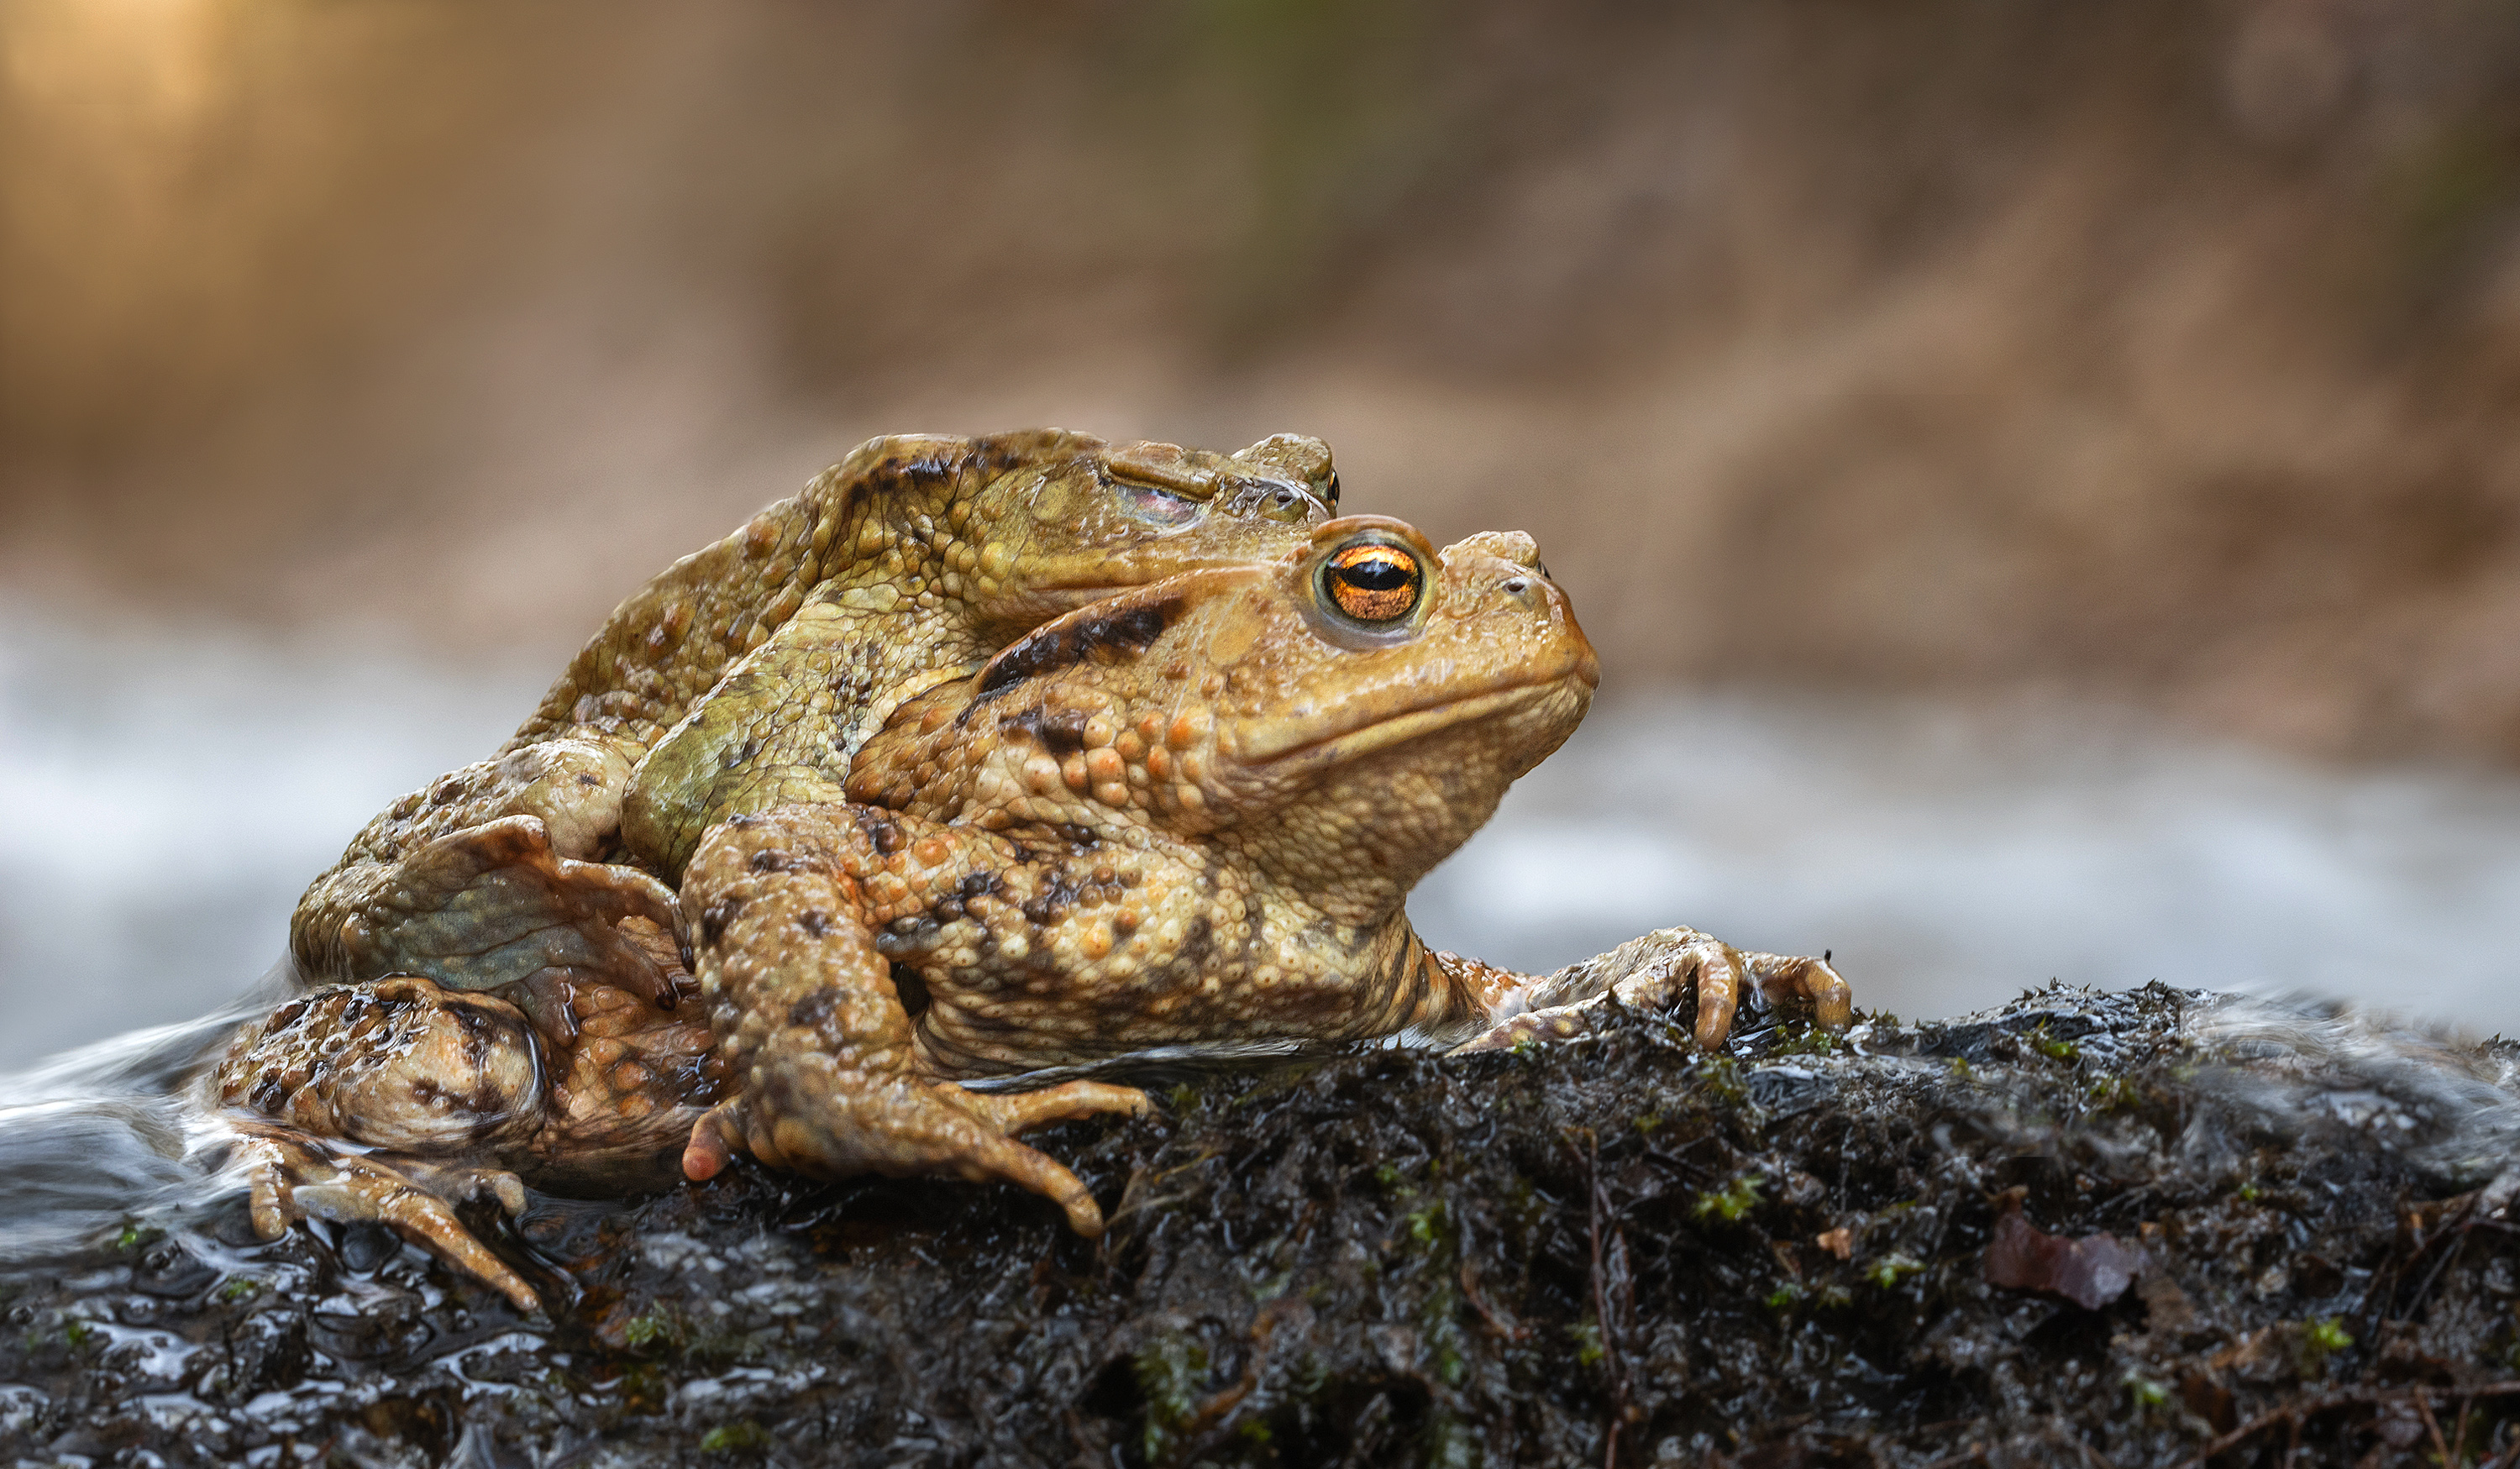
[(1188, 817), (747, 675), (442, 1095)]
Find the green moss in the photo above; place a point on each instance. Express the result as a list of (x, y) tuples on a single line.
[(2114, 1094), (1171, 1371), (1804, 1039), (134, 1236), (1720, 1078), (1731, 1202), (656, 1326), (2052, 1047), (1784, 1297), (1890, 1270), (241, 1288), (2315, 1342), (1430, 1226), (1587, 1334), (2147, 1395), (731, 1438)]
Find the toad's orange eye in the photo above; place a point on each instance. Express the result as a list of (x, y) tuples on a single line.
[(1374, 582)]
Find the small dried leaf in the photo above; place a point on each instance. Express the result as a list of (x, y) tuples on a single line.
[(2090, 1271)]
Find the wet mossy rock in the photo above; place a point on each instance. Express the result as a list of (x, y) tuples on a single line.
[(1621, 1252)]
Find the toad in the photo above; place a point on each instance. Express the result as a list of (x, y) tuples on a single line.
[(1185, 818), (747, 675)]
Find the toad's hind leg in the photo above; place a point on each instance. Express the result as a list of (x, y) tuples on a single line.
[(488, 906), (807, 1019), (485, 878)]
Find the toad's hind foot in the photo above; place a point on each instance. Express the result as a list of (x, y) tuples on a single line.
[(903, 1127), (1659, 970), (292, 1178)]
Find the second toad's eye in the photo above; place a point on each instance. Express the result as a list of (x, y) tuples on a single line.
[(1162, 507), (1374, 582)]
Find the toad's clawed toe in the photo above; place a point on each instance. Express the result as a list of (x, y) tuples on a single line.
[(908, 1128), (1788, 978)]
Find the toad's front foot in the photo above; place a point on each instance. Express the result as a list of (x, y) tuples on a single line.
[(830, 1124), (494, 903), (1656, 973), (293, 1178)]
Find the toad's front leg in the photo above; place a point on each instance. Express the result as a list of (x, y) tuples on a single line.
[(785, 909), (1655, 971)]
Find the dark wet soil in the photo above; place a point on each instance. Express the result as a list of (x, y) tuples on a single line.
[(1620, 1252)]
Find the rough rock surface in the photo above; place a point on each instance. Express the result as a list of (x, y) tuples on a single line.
[(1618, 1252)]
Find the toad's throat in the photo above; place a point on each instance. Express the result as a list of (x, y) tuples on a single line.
[(1305, 745)]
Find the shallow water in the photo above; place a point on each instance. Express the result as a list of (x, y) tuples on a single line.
[(168, 792)]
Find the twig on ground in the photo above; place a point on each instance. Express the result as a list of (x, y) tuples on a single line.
[(2419, 1393), (2432, 1426)]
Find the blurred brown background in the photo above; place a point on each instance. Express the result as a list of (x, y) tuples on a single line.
[(2159, 349)]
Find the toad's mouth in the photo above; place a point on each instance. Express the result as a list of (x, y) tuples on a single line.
[(1304, 747)]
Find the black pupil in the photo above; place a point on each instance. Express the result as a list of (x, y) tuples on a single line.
[(1376, 575)]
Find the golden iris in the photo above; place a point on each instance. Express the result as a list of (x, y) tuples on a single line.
[(1373, 582)]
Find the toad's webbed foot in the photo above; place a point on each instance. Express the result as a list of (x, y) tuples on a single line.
[(292, 1176), (830, 1126), (1656, 973), (493, 904)]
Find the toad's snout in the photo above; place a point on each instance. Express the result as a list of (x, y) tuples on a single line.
[(1519, 593)]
